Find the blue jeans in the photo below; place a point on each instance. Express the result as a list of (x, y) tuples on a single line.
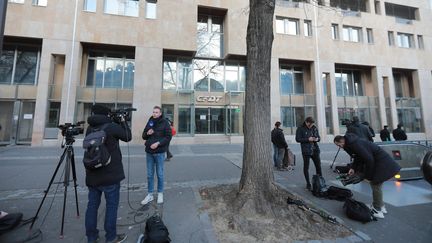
[(158, 161), (275, 152), (112, 197)]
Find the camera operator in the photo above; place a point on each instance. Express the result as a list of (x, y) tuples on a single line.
[(374, 163), (157, 134), (106, 179)]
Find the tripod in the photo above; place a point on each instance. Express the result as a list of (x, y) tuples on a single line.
[(68, 153), (331, 166)]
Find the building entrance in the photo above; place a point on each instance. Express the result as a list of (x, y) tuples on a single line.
[(210, 120), (16, 120)]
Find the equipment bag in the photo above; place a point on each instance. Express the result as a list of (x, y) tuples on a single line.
[(289, 158), (319, 187), (358, 211), (156, 231), (96, 153), (337, 193), (9, 222)]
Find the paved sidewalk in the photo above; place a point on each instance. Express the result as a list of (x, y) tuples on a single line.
[(26, 172)]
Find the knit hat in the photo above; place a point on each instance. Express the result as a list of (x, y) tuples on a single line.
[(100, 110)]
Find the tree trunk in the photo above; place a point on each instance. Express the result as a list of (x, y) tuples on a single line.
[(256, 184)]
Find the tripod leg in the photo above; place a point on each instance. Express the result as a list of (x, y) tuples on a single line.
[(65, 183), (49, 186), (74, 180), (331, 166)]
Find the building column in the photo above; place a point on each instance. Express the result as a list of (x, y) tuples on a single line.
[(424, 87), (71, 82), (319, 99), (392, 93), (147, 88), (275, 91), (334, 104), (40, 114), (377, 78)]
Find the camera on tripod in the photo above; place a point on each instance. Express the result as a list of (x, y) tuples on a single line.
[(70, 130), (347, 179), (121, 115)]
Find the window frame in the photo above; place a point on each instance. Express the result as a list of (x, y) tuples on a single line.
[(15, 50), (286, 25), (350, 31), (307, 28), (124, 11), (369, 35), (86, 6), (405, 38), (104, 58), (292, 69), (335, 31)]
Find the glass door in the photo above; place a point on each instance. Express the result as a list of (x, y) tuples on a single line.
[(25, 122), (6, 118), (217, 120), (201, 121)]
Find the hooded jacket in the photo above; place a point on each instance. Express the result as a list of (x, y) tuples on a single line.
[(303, 134), (162, 134), (278, 138), (113, 172), (361, 130), (376, 164)]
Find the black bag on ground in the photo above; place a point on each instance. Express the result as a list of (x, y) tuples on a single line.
[(289, 158), (337, 193), (96, 153), (9, 222), (156, 231), (319, 187), (358, 211)]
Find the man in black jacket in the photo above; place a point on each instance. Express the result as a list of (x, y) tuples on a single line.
[(106, 179), (280, 144), (399, 134), (308, 137), (157, 134), (374, 163), (385, 134), (362, 131)]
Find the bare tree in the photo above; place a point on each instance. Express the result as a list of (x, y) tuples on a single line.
[(256, 184)]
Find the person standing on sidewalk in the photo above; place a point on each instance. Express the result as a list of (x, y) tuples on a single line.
[(106, 179), (385, 134), (157, 135), (278, 140), (308, 137), (374, 164), (399, 134)]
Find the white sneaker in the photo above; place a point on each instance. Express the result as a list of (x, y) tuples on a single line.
[(377, 213), (160, 198), (147, 199), (383, 208)]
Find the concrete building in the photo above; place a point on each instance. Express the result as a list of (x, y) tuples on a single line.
[(332, 59)]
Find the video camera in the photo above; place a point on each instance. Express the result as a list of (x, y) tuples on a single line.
[(70, 130), (347, 179), (121, 115)]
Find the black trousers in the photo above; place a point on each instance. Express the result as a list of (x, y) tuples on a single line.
[(317, 162), (168, 153)]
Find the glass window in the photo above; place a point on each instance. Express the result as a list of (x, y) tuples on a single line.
[(242, 70), (307, 28), (209, 36), (291, 80), (405, 40), (232, 77), (201, 75), (370, 36), (40, 2), (216, 76), (25, 70), (391, 38), (352, 34), (185, 74), (377, 7), (122, 7), (151, 9), (90, 5), (6, 66), (105, 72), (348, 83), (16, 1), (420, 42), (169, 75), (184, 120), (287, 26), (350, 5), (335, 31)]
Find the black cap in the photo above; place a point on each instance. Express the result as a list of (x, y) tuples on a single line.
[(100, 110)]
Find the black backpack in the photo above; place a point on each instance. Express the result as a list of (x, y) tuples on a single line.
[(96, 153), (358, 211), (337, 193), (319, 187), (156, 231)]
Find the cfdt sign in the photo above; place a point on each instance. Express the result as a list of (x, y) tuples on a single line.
[(208, 98)]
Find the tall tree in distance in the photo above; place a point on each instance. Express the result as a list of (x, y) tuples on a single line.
[(256, 184)]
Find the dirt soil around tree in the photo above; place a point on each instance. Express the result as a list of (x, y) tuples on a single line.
[(286, 223)]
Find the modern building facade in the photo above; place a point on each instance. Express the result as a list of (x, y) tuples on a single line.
[(331, 59)]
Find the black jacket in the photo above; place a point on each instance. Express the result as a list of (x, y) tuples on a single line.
[(385, 135), (113, 172), (376, 164), (162, 134), (399, 134), (303, 134), (361, 130), (278, 138)]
